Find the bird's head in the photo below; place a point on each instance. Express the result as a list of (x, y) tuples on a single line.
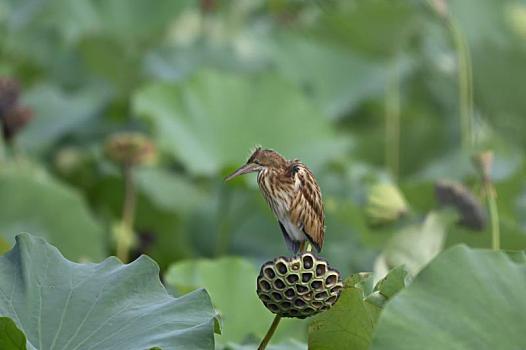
[(261, 159)]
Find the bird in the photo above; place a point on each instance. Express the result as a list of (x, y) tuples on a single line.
[(292, 193)]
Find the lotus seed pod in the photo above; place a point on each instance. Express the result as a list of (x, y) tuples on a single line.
[(130, 148), (385, 204), (472, 213), (299, 286)]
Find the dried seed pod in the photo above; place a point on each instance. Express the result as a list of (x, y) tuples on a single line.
[(9, 92), (472, 213), (14, 121), (299, 286), (385, 204), (130, 148)]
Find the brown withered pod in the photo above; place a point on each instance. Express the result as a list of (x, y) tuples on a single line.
[(13, 117), (471, 211)]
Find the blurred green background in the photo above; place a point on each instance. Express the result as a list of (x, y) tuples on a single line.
[(365, 92)]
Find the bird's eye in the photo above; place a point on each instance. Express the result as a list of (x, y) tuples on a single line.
[(257, 162)]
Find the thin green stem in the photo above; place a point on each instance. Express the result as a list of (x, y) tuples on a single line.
[(392, 121), (465, 83), (2, 149), (270, 333), (128, 214), (494, 216), (465, 77)]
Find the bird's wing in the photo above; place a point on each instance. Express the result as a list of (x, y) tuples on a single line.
[(306, 209)]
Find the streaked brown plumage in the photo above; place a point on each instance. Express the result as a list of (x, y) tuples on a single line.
[(293, 195)]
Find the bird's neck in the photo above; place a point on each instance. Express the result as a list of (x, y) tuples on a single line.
[(262, 174), (272, 175), (271, 172)]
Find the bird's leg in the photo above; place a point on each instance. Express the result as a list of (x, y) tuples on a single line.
[(305, 247)]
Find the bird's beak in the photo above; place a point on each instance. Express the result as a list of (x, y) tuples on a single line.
[(245, 169)]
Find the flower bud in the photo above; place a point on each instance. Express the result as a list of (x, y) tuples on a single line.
[(385, 204)]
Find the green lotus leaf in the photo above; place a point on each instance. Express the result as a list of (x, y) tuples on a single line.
[(168, 190), (11, 338), (388, 286), (63, 305), (37, 203), (392, 283), (287, 345), (213, 120), (415, 245), (339, 81), (464, 299), (58, 114), (349, 324)]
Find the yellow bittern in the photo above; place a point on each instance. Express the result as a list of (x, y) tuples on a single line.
[(293, 194)]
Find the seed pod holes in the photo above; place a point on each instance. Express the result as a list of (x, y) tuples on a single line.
[(300, 286)]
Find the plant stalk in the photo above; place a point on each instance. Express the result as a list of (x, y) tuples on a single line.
[(491, 193), (465, 74), (270, 333), (128, 214), (392, 121), (2, 148), (465, 83)]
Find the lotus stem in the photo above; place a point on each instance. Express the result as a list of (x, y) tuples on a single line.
[(491, 193), (484, 163), (392, 120), (128, 214), (465, 83), (270, 333), (465, 73), (2, 149)]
